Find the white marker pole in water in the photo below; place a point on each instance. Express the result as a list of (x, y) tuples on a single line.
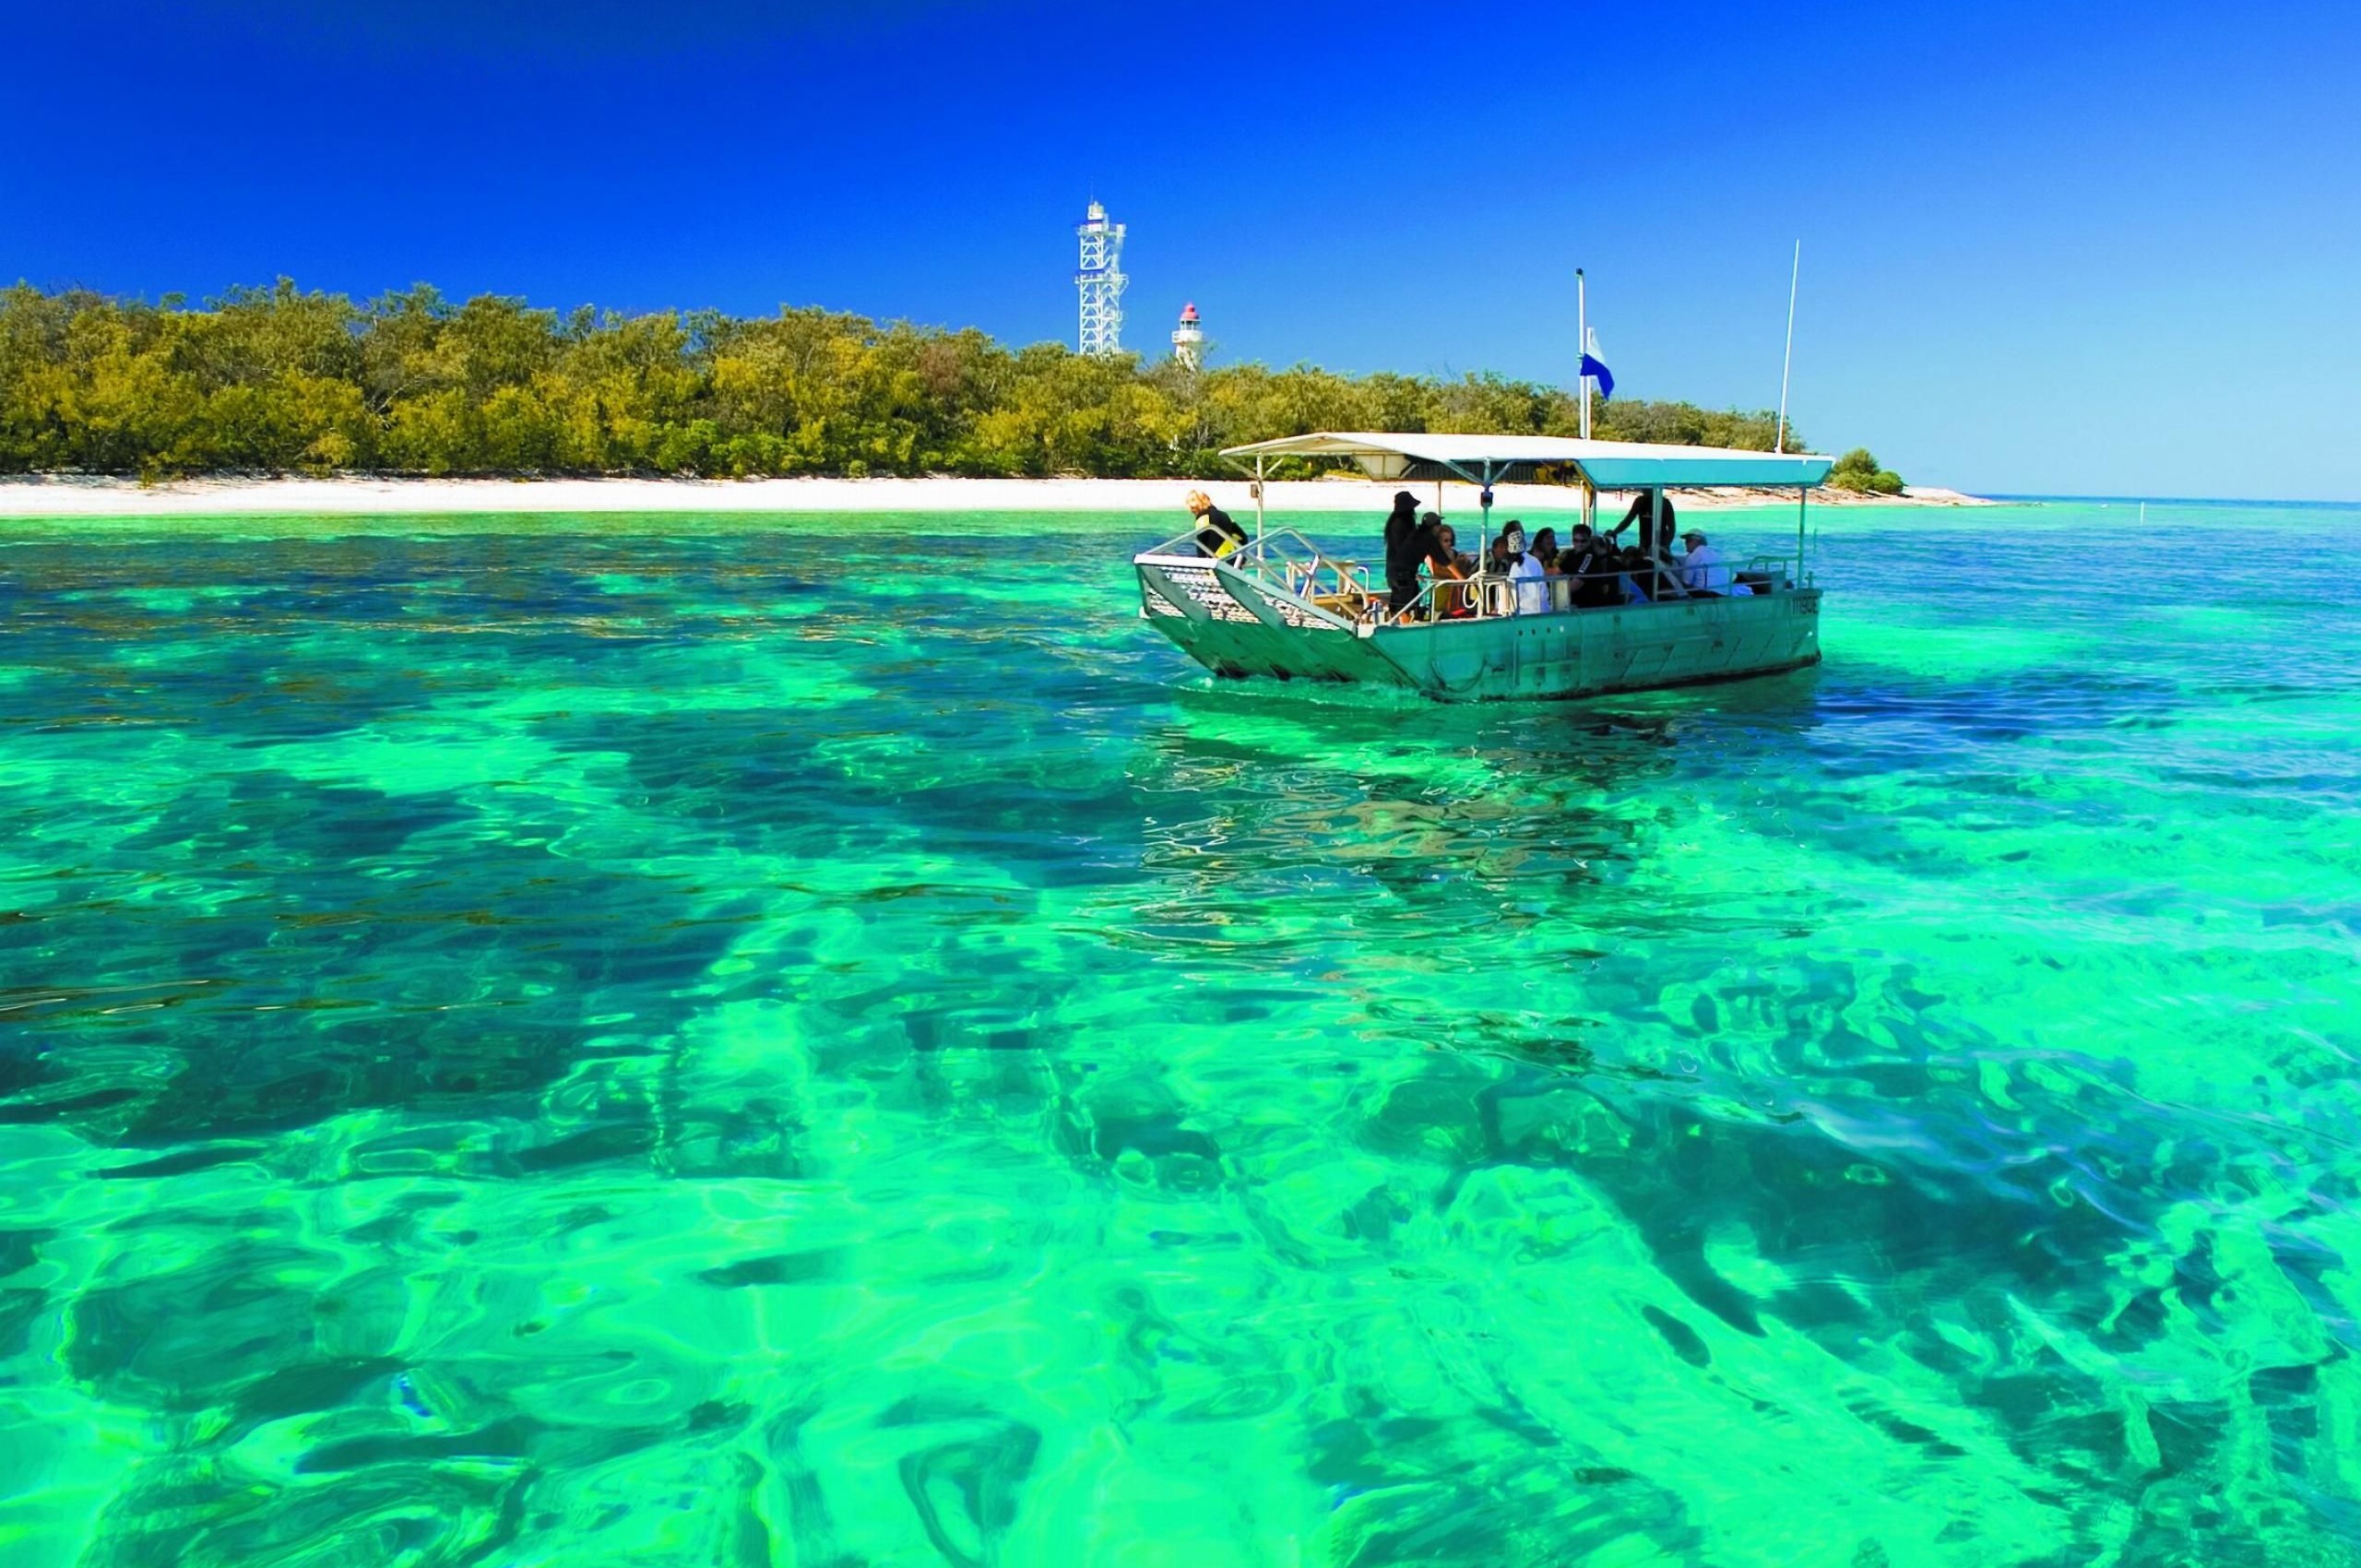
[(1582, 343), (1789, 362)]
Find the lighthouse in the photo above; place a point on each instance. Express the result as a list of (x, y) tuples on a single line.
[(1189, 338)]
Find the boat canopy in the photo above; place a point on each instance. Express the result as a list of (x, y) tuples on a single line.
[(1500, 460)]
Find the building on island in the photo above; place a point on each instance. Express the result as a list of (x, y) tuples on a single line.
[(1101, 282), (1189, 338)]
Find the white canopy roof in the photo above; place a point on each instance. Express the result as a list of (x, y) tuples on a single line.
[(1494, 460)]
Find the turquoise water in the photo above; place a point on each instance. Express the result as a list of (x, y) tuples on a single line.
[(717, 1041)]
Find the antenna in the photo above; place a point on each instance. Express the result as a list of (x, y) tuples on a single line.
[(1787, 363), (1101, 282)]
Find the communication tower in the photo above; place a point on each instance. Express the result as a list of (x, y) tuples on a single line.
[(1189, 338), (1101, 282)]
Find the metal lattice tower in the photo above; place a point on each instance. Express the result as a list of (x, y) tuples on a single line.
[(1101, 282)]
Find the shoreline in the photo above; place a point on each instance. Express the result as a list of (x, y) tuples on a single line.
[(33, 496)]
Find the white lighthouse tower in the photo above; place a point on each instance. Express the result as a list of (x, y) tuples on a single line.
[(1101, 282), (1189, 338)]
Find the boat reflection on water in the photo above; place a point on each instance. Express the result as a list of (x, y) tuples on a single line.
[(1424, 829)]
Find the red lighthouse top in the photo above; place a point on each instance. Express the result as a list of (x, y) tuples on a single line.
[(1189, 311)]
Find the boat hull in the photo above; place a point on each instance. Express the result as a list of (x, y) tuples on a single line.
[(1235, 626)]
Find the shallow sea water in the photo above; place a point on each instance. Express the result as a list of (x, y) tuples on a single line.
[(719, 1041)]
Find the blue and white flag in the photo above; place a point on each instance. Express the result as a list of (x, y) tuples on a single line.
[(1596, 368)]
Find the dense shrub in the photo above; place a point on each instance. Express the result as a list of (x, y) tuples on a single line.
[(1857, 471), (281, 380)]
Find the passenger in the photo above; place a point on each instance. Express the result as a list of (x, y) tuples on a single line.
[(1404, 548), (1445, 563), (1590, 560), (1525, 569), (1701, 571), (1652, 576), (1545, 550), (1638, 577), (1445, 539), (1570, 561), (1638, 512), (1642, 512), (1217, 535)]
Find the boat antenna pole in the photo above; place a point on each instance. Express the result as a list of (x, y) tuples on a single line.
[(1582, 343), (1786, 363)]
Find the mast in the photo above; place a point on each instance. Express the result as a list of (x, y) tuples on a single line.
[(1582, 342), (1787, 363)]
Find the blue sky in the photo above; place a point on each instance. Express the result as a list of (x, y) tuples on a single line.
[(2047, 247)]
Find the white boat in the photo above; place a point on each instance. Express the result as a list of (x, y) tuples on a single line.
[(1279, 606)]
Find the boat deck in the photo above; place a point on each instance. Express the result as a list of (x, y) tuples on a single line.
[(1265, 614)]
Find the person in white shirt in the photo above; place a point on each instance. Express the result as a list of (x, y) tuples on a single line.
[(1701, 570), (1525, 569)]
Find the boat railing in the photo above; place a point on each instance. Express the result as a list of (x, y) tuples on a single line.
[(1286, 560), (1489, 596), (1183, 543)]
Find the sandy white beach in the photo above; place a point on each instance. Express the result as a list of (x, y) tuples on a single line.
[(73, 495)]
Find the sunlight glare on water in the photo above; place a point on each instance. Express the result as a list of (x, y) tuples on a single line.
[(734, 1040)]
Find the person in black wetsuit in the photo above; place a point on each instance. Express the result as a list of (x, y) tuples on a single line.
[(1652, 543), (1403, 551), (1590, 560), (1216, 534)]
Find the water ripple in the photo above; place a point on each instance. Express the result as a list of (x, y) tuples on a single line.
[(698, 1041)]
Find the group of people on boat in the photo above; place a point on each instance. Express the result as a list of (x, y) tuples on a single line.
[(1420, 548), (1423, 549)]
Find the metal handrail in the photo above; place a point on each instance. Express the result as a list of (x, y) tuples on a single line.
[(1481, 586), (1299, 569), (1178, 544), (1286, 559)]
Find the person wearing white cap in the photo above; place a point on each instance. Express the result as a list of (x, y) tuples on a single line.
[(1525, 570), (1701, 570)]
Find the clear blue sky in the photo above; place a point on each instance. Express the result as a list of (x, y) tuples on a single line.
[(2047, 247)]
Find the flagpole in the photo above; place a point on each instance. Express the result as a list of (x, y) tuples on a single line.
[(1582, 342), (1787, 362)]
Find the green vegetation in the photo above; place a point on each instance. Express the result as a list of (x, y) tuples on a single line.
[(1857, 471), (279, 380)]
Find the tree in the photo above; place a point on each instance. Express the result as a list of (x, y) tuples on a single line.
[(1857, 471), (277, 378)]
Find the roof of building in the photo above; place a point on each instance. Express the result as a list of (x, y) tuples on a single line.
[(1497, 459)]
